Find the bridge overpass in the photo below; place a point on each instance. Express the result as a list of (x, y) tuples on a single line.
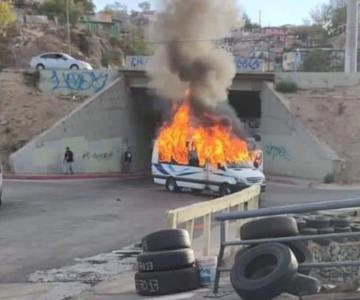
[(128, 113), (242, 81)]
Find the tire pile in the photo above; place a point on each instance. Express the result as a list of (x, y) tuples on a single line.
[(319, 224), (167, 265), (265, 271)]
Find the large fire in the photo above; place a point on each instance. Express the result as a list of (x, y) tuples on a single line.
[(214, 144)]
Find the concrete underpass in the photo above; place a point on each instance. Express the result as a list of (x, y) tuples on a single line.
[(126, 113)]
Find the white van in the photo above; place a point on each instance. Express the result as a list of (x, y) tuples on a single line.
[(224, 180)]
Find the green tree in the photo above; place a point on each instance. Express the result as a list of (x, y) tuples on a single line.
[(317, 61), (248, 24), (145, 6), (6, 17), (133, 43), (118, 10), (57, 8), (330, 16), (310, 35), (87, 6)]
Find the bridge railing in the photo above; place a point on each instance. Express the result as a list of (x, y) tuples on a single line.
[(187, 216)]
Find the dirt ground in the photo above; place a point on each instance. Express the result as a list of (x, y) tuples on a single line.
[(25, 112), (333, 114)]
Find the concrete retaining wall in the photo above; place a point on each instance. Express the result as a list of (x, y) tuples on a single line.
[(289, 148), (319, 80), (98, 132), (79, 82)]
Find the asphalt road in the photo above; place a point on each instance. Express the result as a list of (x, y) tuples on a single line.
[(48, 224)]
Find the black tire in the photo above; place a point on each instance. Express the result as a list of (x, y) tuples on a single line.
[(302, 253), (326, 230), (40, 67), (225, 190), (74, 67), (318, 222), (165, 260), (304, 285), (171, 185), (167, 282), (263, 271), (340, 222), (308, 231), (170, 239), (355, 228), (301, 224), (324, 242), (269, 227), (342, 229)]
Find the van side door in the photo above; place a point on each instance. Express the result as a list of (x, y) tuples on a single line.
[(215, 177)]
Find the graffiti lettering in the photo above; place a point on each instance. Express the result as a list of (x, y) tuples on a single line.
[(79, 81), (248, 64), (99, 156), (277, 152), (137, 62)]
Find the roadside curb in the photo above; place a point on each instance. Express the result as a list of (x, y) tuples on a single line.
[(284, 181), (76, 176)]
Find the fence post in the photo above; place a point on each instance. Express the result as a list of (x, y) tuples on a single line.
[(207, 234), (190, 228), (171, 220), (239, 223)]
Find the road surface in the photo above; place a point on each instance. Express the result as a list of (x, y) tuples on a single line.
[(48, 224)]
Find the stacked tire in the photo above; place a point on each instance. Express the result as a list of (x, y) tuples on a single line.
[(266, 270), (320, 224), (167, 265)]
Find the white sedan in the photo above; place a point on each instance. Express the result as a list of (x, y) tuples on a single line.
[(54, 60)]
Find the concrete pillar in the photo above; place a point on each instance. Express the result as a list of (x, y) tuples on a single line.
[(351, 37)]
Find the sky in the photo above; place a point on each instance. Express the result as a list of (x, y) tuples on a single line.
[(274, 12)]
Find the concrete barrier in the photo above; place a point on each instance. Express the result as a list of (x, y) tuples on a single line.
[(319, 80), (289, 148)]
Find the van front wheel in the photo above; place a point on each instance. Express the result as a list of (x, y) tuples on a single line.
[(225, 190), (171, 185)]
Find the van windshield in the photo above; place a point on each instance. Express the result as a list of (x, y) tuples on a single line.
[(242, 165)]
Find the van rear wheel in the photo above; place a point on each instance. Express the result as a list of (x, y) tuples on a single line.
[(171, 185), (225, 190)]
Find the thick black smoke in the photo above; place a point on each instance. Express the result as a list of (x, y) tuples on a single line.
[(186, 57)]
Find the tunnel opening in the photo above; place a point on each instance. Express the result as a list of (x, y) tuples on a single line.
[(150, 112), (147, 109), (247, 105)]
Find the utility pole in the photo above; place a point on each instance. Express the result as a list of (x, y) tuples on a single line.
[(352, 32), (260, 18), (68, 24)]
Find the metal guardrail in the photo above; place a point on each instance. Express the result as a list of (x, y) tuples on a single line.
[(246, 199), (283, 210)]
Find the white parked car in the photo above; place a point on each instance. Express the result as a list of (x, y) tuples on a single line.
[(53, 60), (1, 182)]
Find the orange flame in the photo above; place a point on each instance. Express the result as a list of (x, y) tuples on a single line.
[(215, 144)]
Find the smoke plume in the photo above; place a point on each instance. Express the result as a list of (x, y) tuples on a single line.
[(186, 57)]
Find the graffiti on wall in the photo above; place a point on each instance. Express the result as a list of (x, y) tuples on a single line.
[(249, 64), (242, 64), (102, 156), (277, 152), (79, 81), (137, 62)]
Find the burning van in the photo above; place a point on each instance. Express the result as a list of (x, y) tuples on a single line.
[(199, 157)]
